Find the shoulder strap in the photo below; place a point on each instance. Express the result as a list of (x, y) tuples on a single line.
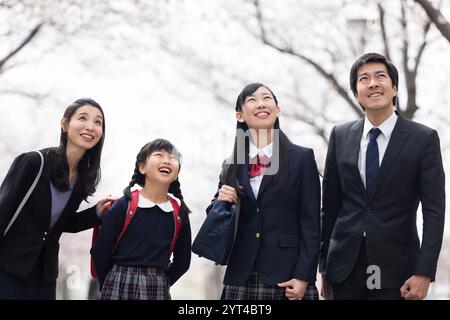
[(27, 195), (177, 221), (132, 207)]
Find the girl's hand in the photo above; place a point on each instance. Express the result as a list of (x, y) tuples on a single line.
[(228, 194), (104, 204), (295, 288)]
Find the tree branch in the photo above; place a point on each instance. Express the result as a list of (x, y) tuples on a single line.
[(30, 36), (409, 80), (310, 117), (411, 73), (436, 16), (382, 14), (328, 76), (422, 47), (33, 96)]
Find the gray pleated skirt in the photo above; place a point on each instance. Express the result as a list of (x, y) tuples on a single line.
[(136, 283)]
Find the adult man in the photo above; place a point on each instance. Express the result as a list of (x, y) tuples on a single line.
[(377, 171)]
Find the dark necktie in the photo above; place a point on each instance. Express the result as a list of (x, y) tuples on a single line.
[(257, 165), (372, 159)]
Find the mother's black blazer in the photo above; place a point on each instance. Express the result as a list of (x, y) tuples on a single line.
[(31, 235)]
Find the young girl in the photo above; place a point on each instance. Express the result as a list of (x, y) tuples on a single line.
[(138, 265), (29, 246), (277, 184)]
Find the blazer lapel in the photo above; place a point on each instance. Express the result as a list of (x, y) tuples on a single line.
[(244, 179), (266, 180), (395, 145), (353, 148)]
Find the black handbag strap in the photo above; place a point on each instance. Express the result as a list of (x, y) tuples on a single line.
[(236, 223), (27, 195)]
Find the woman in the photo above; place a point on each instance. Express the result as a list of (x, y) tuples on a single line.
[(29, 249)]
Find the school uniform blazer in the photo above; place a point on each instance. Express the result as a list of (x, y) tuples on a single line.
[(411, 172), (31, 234), (279, 232)]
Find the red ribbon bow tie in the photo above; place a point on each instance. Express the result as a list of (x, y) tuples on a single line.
[(258, 165)]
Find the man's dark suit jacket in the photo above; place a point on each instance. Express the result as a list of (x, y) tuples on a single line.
[(30, 235), (411, 171)]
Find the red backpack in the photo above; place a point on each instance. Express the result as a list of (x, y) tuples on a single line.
[(132, 207)]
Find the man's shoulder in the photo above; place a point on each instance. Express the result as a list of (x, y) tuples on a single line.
[(347, 126), (415, 126)]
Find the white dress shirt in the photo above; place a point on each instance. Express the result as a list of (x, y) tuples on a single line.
[(255, 182), (383, 139)]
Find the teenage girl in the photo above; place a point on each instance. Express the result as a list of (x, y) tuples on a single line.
[(276, 249)]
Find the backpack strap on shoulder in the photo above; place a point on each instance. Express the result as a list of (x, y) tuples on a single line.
[(177, 222), (131, 210)]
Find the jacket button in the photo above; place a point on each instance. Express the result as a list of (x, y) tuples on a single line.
[(45, 233), (257, 210), (258, 235), (43, 238)]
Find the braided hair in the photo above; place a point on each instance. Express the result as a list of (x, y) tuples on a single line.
[(139, 178)]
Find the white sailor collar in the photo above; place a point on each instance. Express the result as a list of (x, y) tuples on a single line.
[(165, 206)]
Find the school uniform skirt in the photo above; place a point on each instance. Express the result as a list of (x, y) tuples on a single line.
[(255, 289), (135, 283)]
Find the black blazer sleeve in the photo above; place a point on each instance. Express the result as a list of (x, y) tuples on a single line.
[(432, 192), (331, 199), (16, 184), (83, 220), (309, 222)]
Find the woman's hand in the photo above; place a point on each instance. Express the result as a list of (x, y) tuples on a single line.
[(228, 194), (104, 204)]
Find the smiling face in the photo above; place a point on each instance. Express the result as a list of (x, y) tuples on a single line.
[(375, 91), (161, 167), (259, 110), (84, 128)]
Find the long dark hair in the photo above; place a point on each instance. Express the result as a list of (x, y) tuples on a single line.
[(89, 173), (139, 178), (231, 169)]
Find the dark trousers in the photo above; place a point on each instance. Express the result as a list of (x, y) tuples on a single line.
[(355, 286), (30, 288)]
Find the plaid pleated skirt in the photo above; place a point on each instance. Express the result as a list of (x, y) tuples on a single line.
[(255, 289), (135, 283)]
